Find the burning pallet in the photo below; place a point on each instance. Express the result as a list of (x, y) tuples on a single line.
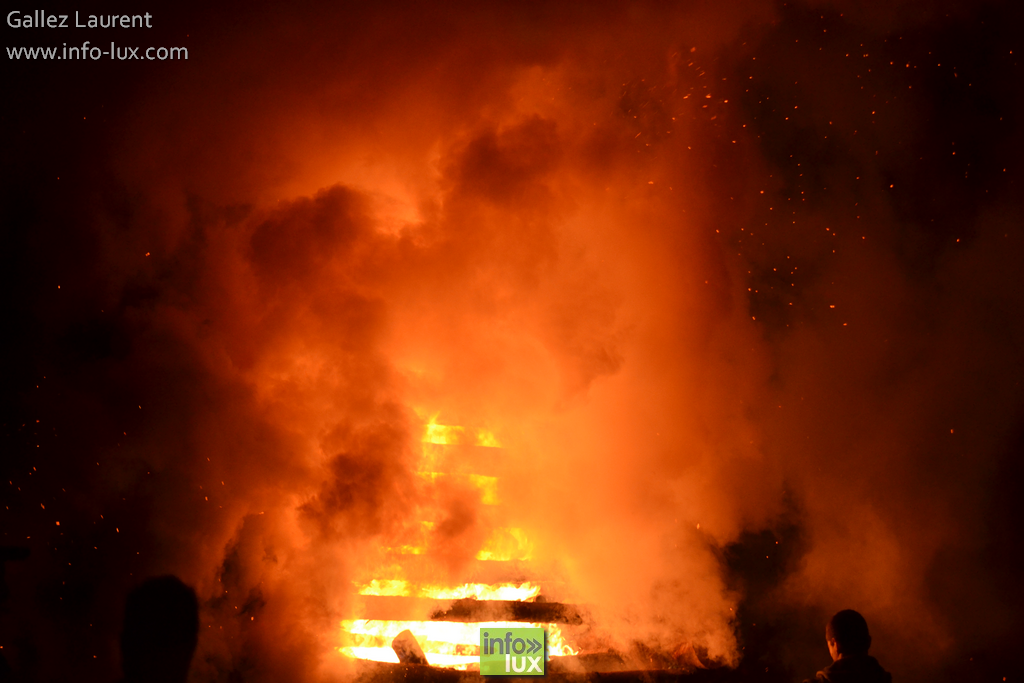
[(409, 631)]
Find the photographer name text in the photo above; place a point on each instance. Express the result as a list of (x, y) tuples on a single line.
[(41, 19)]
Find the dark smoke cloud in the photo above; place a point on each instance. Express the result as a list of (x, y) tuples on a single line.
[(715, 271)]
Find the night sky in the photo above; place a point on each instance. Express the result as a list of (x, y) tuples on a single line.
[(743, 280)]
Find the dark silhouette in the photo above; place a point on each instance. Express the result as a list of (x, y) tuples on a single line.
[(848, 641), (8, 554), (161, 628)]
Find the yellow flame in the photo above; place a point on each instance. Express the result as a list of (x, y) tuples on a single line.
[(406, 550), (488, 486), (447, 644), (502, 544), (386, 654), (480, 591), (452, 435), (487, 439), (386, 587), (443, 434), (506, 544)]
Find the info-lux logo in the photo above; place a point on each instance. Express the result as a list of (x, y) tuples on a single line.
[(512, 652)]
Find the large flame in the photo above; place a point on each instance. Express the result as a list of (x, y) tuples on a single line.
[(448, 644)]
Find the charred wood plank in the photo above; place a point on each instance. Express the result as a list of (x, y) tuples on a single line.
[(475, 571), (397, 608), (471, 609)]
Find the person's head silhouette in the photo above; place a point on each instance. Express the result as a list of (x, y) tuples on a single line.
[(161, 628), (848, 640), (847, 635)]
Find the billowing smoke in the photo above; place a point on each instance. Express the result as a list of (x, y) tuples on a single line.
[(724, 282)]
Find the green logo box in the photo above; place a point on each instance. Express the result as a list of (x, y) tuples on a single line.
[(512, 651)]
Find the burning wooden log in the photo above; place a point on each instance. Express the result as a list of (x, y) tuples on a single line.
[(400, 608), (475, 571), (408, 648), (471, 609)]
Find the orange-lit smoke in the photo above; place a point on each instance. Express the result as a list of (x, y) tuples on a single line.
[(513, 224)]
